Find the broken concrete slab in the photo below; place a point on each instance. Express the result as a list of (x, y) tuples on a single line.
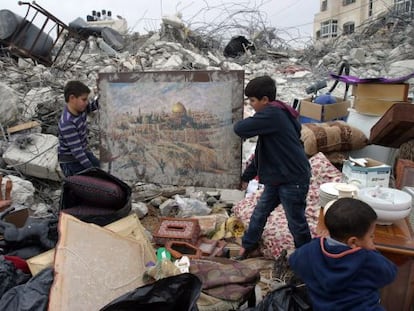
[(402, 68), (22, 192), (140, 209), (231, 196), (358, 54), (93, 266), (34, 98), (36, 156), (9, 107)]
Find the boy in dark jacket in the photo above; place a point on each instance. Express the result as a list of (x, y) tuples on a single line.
[(344, 271), (280, 163)]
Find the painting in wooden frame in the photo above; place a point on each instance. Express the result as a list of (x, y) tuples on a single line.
[(172, 127)]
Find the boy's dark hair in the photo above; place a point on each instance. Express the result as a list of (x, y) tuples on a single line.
[(75, 88), (348, 217), (260, 87)]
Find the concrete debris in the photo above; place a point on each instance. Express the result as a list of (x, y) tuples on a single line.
[(168, 208), (140, 209), (30, 91), (22, 193), (9, 111), (34, 91), (35, 155)]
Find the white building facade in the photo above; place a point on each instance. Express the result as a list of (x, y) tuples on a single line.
[(341, 17)]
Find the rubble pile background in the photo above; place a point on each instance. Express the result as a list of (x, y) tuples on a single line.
[(34, 92)]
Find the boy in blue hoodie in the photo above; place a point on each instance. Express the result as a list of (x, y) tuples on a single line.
[(344, 271), (280, 163)]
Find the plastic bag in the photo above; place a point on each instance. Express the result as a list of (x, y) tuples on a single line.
[(285, 298), (31, 296), (179, 292), (191, 207)]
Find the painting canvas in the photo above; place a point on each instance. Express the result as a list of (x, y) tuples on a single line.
[(172, 127)]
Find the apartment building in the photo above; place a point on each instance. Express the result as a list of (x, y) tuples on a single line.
[(338, 17)]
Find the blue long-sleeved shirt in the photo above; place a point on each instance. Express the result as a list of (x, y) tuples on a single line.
[(342, 278), (73, 135)]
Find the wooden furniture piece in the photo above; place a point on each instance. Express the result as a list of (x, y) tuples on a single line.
[(395, 127), (396, 242)]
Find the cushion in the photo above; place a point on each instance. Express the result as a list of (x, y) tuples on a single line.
[(95, 191), (331, 136), (88, 211)]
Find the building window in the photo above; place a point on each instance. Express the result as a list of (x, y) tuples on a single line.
[(329, 28), (324, 5), (403, 6), (370, 7), (346, 2), (318, 34), (348, 28)]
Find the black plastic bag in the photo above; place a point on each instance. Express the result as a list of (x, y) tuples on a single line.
[(31, 296), (285, 298), (179, 292)]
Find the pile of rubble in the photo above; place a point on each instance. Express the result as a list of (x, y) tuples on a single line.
[(34, 91), (31, 100)]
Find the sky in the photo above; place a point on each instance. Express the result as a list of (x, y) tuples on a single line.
[(292, 18)]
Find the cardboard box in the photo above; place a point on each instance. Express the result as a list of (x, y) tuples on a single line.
[(323, 113), (384, 91), (375, 173), (376, 98), (372, 106)]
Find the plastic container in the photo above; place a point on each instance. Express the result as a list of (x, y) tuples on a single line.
[(14, 29), (252, 187), (325, 99)]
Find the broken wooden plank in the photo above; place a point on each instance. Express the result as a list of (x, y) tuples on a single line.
[(22, 127)]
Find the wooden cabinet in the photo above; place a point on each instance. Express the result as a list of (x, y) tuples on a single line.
[(396, 242)]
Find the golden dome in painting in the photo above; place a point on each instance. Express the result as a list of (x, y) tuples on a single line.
[(178, 108)]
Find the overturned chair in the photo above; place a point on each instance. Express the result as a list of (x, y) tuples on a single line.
[(95, 196)]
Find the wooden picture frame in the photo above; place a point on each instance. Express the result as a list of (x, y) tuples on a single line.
[(172, 127)]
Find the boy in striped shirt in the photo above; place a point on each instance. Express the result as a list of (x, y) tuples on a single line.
[(73, 153)]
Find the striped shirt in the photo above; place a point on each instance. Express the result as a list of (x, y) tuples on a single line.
[(73, 135)]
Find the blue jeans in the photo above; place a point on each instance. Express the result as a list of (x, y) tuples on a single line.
[(293, 199), (72, 168)]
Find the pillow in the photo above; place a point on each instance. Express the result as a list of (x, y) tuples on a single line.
[(95, 191), (331, 136)]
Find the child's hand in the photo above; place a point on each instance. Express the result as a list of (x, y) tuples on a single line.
[(243, 185)]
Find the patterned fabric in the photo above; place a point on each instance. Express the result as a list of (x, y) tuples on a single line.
[(276, 235), (229, 280), (73, 140), (94, 191), (331, 136)]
